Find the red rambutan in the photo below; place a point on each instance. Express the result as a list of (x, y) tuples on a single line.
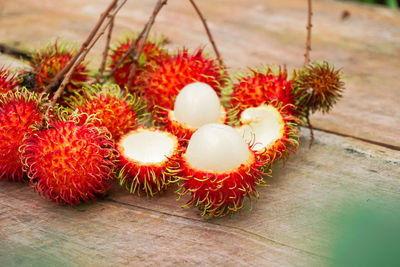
[(118, 111), (8, 81), (51, 60), (152, 53), (272, 129), (219, 170), (69, 163), (19, 111), (260, 86), (149, 158), (162, 84)]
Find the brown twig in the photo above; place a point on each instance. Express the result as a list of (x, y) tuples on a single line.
[(310, 127), (14, 52), (67, 67), (106, 48), (308, 41), (203, 20), (149, 24)]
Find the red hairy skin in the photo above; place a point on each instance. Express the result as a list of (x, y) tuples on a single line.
[(152, 53), (118, 111), (221, 194), (148, 178), (260, 86), (162, 84), (8, 81), (69, 163), (19, 111), (48, 62)]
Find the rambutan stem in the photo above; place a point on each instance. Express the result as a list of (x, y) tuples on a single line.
[(203, 20), (310, 128), (88, 40), (149, 24), (106, 47), (308, 41)]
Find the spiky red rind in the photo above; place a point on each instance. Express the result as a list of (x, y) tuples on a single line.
[(153, 52), (262, 85), (152, 178), (69, 163), (317, 86), (8, 80), (221, 194), (162, 84), (117, 110), (20, 110), (48, 62)]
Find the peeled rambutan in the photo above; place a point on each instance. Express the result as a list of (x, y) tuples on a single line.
[(273, 130), (219, 170), (162, 84), (20, 110), (152, 53), (149, 158), (260, 86), (48, 62), (317, 86), (118, 111), (196, 104), (69, 163), (8, 81)]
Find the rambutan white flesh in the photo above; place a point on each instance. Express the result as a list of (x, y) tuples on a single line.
[(197, 104), (216, 148)]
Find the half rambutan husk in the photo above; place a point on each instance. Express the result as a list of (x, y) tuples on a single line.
[(272, 128), (165, 118), (115, 109), (20, 110), (152, 53), (153, 173), (262, 85), (162, 84), (8, 80), (219, 194), (69, 163)]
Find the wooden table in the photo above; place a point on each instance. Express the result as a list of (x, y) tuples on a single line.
[(355, 158)]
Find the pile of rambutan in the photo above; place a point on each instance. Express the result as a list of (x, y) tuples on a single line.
[(182, 122)]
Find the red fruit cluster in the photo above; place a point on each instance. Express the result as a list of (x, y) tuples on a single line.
[(19, 111), (69, 163)]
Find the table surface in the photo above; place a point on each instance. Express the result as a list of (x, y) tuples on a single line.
[(355, 158)]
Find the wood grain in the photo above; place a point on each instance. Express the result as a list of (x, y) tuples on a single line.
[(366, 45)]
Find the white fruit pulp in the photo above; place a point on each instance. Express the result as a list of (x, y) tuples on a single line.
[(197, 104), (148, 146), (217, 147), (263, 125)]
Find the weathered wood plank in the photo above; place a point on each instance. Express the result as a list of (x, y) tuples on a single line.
[(289, 225), (250, 33)]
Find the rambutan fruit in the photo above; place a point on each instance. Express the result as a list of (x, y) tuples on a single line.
[(48, 62), (317, 86), (149, 158), (272, 129), (20, 110), (262, 85), (69, 163), (153, 52), (118, 111), (196, 104), (8, 81), (162, 84), (219, 170)]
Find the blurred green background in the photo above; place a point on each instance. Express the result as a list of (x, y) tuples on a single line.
[(390, 3)]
